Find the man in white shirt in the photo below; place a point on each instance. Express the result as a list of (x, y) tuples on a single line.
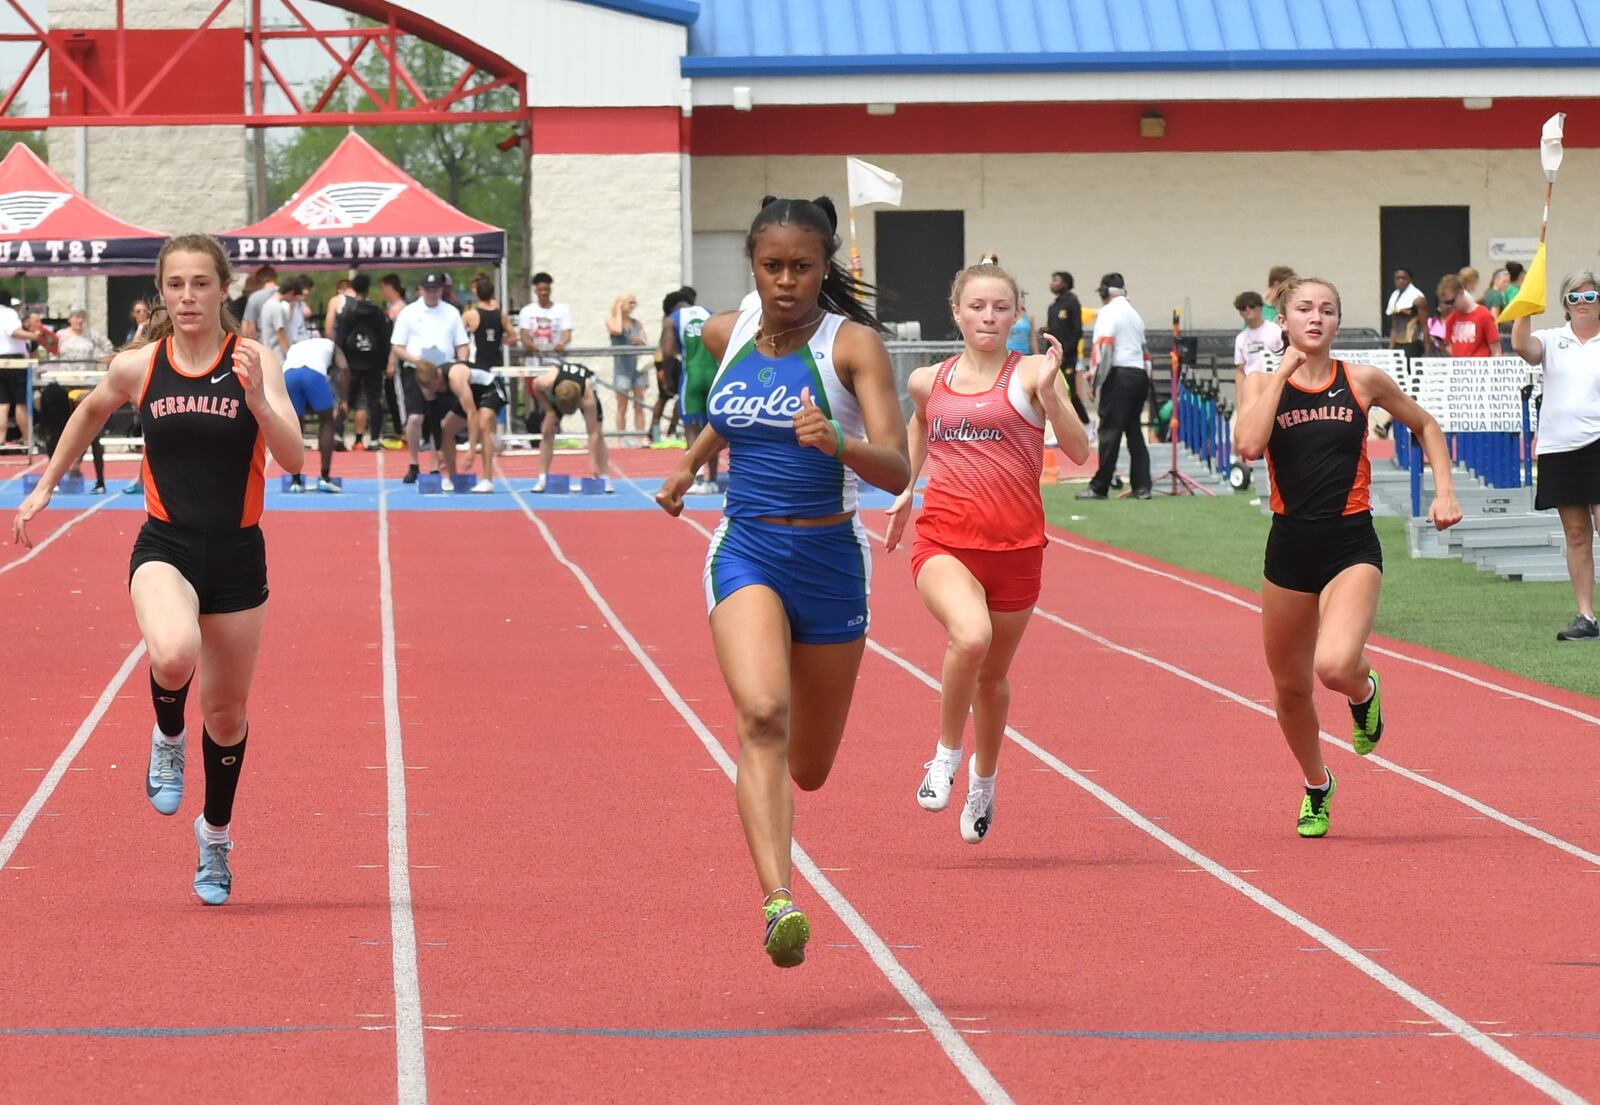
[(283, 317), (307, 372), (1122, 379), (14, 339), (427, 329), (1260, 337), (544, 325)]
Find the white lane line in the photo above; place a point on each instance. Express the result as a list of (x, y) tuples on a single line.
[(5, 483), (1442, 669), (58, 770), (1459, 1026), (1494, 1050), (408, 1024), (1379, 761), (938, 1024), (45, 544)]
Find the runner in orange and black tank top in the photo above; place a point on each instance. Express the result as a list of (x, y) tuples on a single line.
[(204, 454), (1317, 455)]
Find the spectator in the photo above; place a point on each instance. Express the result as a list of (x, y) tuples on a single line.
[(1277, 277), (1514, 271), (1469, 329), (486, 322), (1259, 337), (336, 304), (544, 325), (266, 286), (1407, 312), (138, 319), (282, 319), (14, 339), (1495, 298), (627, 378), (428, 329), (1065, 322), (44, 342), (362, 332), (80, 344), (394, 301), (1469, 281), (1122, 381), (1022, 337), (1568, 445)]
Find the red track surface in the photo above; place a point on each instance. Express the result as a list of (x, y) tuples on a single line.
[(584, 907)]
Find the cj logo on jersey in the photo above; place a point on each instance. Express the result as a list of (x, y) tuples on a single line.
[(777, 408)]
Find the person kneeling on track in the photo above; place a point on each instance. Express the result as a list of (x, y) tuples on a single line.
[(466, 398), (565, 389), (306, 368)]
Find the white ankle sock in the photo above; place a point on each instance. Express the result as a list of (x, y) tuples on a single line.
[(976, 781), (170, 740), (1324, 785), (1372, 689), (947, 757), (212, 834)]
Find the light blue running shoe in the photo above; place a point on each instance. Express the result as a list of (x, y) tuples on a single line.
[(163, 783), (213, 879)]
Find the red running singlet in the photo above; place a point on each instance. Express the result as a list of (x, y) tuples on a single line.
[(986, 452), (204, 454)]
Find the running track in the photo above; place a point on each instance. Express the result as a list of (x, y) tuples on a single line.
[(491, 853)]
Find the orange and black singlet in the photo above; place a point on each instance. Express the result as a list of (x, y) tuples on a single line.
[(1317, 453), (204, 453)]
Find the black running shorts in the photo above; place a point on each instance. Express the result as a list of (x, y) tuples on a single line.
[(226, 567), (1306, 556)]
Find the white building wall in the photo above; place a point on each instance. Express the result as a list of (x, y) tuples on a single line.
[(575, 54), (603, 225), (1195, 227)]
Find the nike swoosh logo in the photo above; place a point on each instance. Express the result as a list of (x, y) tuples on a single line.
[(219, 379), (1334, 392), (150, 791), (980, 404)]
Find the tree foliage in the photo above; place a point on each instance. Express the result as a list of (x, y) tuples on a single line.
[(458, 162)]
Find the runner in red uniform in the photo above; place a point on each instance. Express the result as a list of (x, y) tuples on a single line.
[(980, 537)]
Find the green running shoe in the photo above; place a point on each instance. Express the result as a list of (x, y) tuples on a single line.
[(1314, 810), (1367, 720), (787, 933)]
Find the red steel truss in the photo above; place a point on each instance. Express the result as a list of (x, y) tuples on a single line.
[(111, 96)]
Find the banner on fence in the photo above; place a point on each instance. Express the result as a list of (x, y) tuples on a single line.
[(1472, 394)]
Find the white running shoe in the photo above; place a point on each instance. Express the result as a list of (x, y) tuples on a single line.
[(702, 487), (934, 793), (977, 816), (483, 486), (296, 487), (163, 782), (328, 487), (538, 486), (605, 485), (445, 482)]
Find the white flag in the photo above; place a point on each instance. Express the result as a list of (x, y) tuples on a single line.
[(1549, 145), (870, 184)]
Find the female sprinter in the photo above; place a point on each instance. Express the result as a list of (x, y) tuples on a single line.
[(1324, 566), (209, 402), (980, 538), (804, 399)]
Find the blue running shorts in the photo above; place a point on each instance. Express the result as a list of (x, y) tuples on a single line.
[(820, 573), (309, 390)]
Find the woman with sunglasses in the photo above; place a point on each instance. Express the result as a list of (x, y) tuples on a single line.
[(1568, 446)]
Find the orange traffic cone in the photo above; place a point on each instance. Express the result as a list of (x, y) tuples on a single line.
[(1050, 475)]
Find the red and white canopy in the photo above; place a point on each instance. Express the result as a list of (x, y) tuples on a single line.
[(47, 228), (359, 208)]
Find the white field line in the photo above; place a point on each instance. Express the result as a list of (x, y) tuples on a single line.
[(409, 1051), (928, 1012), (45, 544), (1442, 669)]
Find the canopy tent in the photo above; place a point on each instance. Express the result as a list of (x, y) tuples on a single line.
[(47, 228), (359, 208)]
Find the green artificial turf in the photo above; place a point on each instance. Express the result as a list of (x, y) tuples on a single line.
[(1444, 605)]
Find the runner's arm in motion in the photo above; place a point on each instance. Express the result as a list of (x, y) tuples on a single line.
[(1050, 394), (1258, 405), (264, 393), (122, 383), (1383, 392), (920, 386), (882, 458), (706, 446)]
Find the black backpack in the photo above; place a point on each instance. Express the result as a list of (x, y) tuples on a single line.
[(362, 330)]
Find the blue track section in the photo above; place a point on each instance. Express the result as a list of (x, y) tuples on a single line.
[(362, 495)]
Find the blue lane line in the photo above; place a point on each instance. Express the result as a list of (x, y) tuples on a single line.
[(362, 496)]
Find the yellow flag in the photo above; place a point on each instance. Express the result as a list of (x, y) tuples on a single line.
[(1530, 297)]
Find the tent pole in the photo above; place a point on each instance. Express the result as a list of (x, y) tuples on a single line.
[(81, 174)]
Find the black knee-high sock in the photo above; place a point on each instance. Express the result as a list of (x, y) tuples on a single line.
[(222, 778), (169, 705)]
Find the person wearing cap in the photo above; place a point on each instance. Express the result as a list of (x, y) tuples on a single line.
[(426, 329), (1122, 381)]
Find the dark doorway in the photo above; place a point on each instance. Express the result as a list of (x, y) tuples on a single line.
[(919, 254), (1430, 241), (121, 291)]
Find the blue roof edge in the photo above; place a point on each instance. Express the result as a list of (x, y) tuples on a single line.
[(681, 12), (1154, 61)]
